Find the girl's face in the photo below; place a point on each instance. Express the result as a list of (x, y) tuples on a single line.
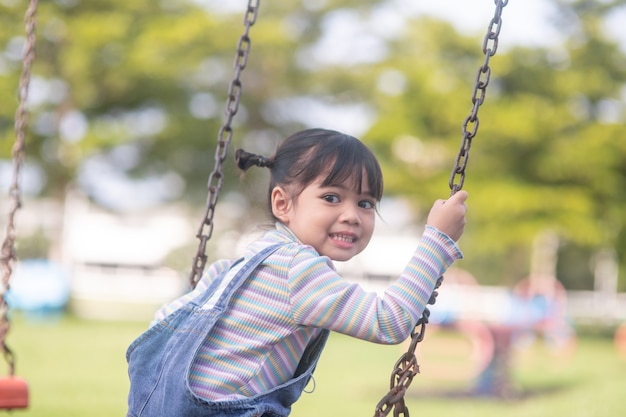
[(336, 220)]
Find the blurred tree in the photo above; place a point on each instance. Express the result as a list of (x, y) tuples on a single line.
[(135, 91), (109, 84), (550, 150)]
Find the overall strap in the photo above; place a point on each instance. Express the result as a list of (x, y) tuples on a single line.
[(242, 274)]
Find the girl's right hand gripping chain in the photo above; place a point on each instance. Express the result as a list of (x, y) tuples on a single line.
[(448, 216)]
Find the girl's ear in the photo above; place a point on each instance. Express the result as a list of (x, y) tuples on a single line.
[(281, 204)]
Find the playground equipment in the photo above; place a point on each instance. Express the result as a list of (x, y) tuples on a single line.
[(496, 320), (14, 390)]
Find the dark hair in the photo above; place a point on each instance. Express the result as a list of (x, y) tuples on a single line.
[(306, 155)]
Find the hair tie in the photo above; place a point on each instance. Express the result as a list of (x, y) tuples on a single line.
[(263, 162)]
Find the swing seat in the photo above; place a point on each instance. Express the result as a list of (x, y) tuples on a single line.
[(13, 393)]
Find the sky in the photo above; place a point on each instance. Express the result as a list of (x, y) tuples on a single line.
[(523, 21)]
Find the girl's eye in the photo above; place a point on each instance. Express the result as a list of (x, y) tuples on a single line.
[(331, 198), (366, 204)]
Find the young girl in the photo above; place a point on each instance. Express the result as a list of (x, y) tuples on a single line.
[(246, 340)]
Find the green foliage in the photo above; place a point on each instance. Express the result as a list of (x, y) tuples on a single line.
[(549, 153)]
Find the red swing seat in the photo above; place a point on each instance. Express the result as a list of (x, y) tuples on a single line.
[(13, 393)]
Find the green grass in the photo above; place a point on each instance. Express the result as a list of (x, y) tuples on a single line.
[(74, 368), (78, 368)]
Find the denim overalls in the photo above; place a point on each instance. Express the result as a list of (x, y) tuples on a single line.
[(160, 359)]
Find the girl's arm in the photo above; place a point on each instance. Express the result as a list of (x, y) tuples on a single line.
[(321, 298)]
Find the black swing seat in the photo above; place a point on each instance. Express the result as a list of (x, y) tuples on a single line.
[(13, 393)]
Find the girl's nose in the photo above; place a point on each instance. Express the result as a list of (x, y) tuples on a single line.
[(351, 215)]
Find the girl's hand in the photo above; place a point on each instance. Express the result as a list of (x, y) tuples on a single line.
[(448, 216)]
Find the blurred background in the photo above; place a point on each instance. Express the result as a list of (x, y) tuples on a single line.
[(126, 100)]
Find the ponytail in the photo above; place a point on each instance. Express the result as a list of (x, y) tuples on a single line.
[(245, 160)]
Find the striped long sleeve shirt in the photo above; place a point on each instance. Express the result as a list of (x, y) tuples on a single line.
[(258, 341)]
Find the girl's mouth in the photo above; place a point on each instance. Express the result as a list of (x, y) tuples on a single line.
[(342, 238)]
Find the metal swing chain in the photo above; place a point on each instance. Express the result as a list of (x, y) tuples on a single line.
[(470, 125), (406, 368), (216, 178), (8, 255)]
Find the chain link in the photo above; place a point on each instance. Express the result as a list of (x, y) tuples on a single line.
[(407, 367), (225, 134), (471, 123), (8, 255)]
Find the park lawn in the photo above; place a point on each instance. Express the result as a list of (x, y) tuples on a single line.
[(74, 367), (77, 368)]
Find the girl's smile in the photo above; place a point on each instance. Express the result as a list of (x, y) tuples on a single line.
[(343, 238)]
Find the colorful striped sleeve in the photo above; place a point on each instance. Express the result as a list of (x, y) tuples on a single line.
[(321, 298)]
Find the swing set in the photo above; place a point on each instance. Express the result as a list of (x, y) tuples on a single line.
[(14, 390)]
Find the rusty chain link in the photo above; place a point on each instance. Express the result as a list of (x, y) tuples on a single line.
[(8, 255), (407, 367), (216, 178), (470, 125)]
